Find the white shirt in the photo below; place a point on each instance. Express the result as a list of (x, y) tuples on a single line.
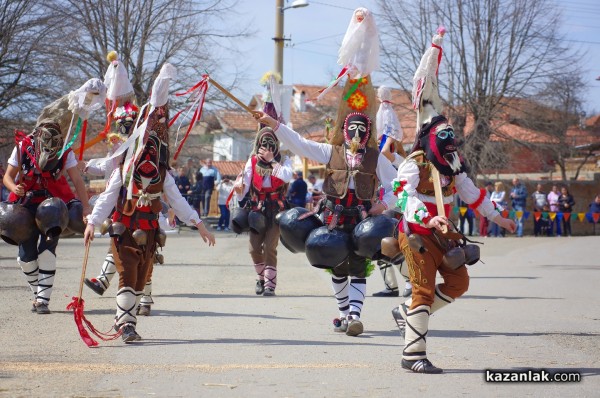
[(408, 176), (70, 161), (283, 171), (108, 199), (322, 153)]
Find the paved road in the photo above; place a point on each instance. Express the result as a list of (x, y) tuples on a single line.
[(533, 304)]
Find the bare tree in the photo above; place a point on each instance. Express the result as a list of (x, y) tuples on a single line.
[(23, 70), (146, 34), (554, 110), (494, 50)]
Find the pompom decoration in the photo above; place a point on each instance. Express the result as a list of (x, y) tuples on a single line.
[(112, 56)]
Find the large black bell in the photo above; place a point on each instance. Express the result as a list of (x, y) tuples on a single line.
[(52, 217), (76, 223), (327, 249), (239, 220), (16, 223), (257, 222), (293, 232), (367, 235)]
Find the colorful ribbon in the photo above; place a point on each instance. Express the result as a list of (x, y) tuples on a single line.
[(201, 88)]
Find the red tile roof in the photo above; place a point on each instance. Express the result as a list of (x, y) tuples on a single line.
[(228, 168)]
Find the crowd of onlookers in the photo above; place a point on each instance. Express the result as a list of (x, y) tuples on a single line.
[(199, 183), (550, 212)]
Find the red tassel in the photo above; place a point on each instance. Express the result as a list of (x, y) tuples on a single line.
[(83, 131), (77, 305)]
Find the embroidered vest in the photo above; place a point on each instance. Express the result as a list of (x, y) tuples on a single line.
[(129, 206), (51, 180), (258, 180), (425, 186)]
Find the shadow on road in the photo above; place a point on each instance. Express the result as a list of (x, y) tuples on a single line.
[(350, 342)]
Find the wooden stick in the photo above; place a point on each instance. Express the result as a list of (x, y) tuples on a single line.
[(233, 97), (439, 198), (83, 268)]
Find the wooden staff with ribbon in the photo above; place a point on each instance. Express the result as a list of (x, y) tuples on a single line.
[(233, 97), (439, 198), (77, 306)]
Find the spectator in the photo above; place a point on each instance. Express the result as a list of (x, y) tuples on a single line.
[(483, 222), (211, 177), (565, 205), (553, 203), (182, 182), (498, 198), (540, 204), (298, 190), (197, 193), (173, 169), (467, 216), (191, 169), (594, 208), (315, 188), (224, 188), (519, 199)]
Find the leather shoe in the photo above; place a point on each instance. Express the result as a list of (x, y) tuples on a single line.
[(387, 293)]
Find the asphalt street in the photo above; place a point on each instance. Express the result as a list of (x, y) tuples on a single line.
[(531, 305)]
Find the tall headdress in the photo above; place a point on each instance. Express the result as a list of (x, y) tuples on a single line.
[(388, 124), (359, 54), (148, 144), (425, 92), (265, 137), (70, 114), (435, 136)]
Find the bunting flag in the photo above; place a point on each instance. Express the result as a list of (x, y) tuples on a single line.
[(559, 215), (511, 214), (552, 215), (581, 216), (545, 215), (505, 213), (596, 216), (566, 216), (519, 214), (463, 210), (537, 215), (198, 92), (526, 215), (455, 210)]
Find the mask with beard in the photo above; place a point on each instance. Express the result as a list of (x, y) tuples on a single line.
[(437, 140), (48, 143), (266, 139), (357, 129)]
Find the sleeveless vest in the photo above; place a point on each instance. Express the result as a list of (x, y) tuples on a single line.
[(338, 173)]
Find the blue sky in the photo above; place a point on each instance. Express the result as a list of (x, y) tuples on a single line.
[(317, 30)]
